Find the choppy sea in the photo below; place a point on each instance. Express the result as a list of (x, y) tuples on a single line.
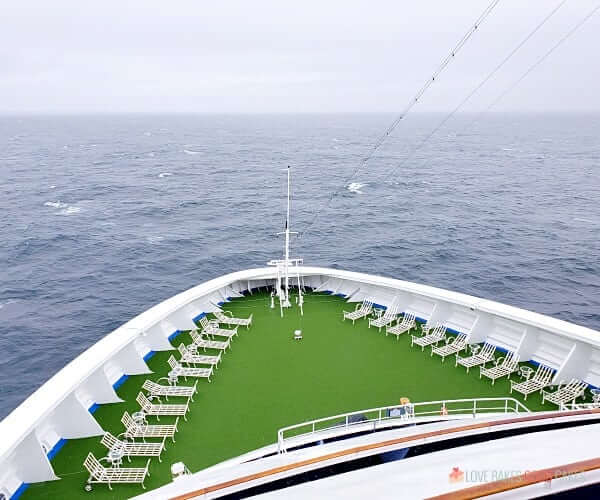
[(104, 216)]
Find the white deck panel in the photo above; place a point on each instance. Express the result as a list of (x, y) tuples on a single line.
[(428, 475)]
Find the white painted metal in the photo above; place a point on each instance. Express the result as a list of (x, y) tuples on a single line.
[(377, 418)]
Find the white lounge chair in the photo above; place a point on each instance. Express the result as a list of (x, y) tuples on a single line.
[(185, 372), (190, 356), (112, 475), (227, 318), (212, 329), (566, 393), (134, 448), (453, 345), (204, 343), (159, 409), (135, 430), (428, 327), (155, 389), (437, 335), (403, 325), (502, 367), (388, 316), (485, 354), (362, 310), (541, 378)]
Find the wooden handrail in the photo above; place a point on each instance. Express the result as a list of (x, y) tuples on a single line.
[(526, 479), (373, 446)]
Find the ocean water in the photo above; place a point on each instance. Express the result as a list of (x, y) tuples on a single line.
[(104, 216)]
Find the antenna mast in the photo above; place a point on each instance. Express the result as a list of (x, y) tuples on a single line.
[(283, 266)]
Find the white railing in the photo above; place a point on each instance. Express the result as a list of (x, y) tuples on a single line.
[(391, 416)]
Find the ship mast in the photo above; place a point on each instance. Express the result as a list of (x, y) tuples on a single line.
[(283, 266)]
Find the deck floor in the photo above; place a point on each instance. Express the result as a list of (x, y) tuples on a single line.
[(268, 381)]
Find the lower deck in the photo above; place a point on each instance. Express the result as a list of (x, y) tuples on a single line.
[(267, 381)]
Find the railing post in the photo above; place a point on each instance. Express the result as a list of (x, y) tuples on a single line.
[(474, 408), (506, 406), (313, 428), (346, 421)]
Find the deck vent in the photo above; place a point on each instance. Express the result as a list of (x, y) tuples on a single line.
[(178, 470)]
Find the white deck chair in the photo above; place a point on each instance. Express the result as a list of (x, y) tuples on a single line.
[(212, 329), (485, 354), (159, 409), (566, 393), (155, 389), (112, 475), (541, 378), (388, 316), (200, 341), (189, 356), (227, 318), (134, 448), (134, 430), (437, 335), (361, 310), (403, 325), (185, 372), (453, 345), (502, 367)]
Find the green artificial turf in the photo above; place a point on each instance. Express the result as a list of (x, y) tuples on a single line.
[(268, 381)]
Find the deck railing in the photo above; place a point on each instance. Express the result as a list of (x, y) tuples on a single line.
[(392, 416)]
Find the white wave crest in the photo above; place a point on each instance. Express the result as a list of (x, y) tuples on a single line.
[(164, 174), (70, 210), (66, 209), (355, 187), (191, 152), (55, 204), (8, 302)]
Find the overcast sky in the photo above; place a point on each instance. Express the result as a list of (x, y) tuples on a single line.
[(278, 56)]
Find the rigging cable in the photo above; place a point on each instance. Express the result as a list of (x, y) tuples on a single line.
[(536, 64), (527, 72), (476, 89), (445, 62)]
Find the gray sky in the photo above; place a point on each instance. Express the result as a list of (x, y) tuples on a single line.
[(277, 56)]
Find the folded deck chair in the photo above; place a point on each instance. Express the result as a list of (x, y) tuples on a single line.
[(361, 310), (502, 367), (134, 448), (185, 372), (227, 318), (112, 475), (452, 346), (541, 378), (485, 354), (403, 325), (189, 356), (388, 316), (155, 389), (437, 335), (205, 343), (159, 409), (566, 393), (212, 329), (134, 430)]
